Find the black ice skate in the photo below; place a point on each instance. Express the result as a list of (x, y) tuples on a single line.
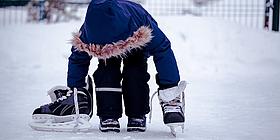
[(136, 124), (173, 107), (57, 92), (71, 110), (109, 125)]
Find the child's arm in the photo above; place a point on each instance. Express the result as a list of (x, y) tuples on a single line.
[(163, 56), (78, 66)]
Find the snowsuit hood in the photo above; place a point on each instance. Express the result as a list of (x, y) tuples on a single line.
[(108, 31)]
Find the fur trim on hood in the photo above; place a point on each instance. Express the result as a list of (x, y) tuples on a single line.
[(116, 49)]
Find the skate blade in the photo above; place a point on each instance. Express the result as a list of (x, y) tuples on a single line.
[(79, 125), (173, 127), (42, 118)]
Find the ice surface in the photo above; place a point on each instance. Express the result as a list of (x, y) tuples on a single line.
[(233, 74)]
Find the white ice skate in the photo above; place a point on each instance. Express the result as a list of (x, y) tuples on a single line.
[(173, 106)]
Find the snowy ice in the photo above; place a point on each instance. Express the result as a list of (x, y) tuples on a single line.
[(233, 74)]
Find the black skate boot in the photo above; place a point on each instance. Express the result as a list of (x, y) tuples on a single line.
[(59, 91), (173, 106), (70, 112), (136, 124), (109, 125), (172, 111)]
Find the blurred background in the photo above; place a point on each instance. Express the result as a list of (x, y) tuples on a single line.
[(252, 13)]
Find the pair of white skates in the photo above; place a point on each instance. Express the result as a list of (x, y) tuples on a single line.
[(71, 109)]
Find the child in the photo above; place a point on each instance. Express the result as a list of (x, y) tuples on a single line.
[(116, 31)]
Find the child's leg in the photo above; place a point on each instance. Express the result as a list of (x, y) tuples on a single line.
[(135, 85), (107, 79)]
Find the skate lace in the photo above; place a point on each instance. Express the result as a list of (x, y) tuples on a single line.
[(64, 97), (68, 94), (76, 108), (77, 120), (171, 106)]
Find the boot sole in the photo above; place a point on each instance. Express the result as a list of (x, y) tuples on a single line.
[(109, 129), (136, 129)]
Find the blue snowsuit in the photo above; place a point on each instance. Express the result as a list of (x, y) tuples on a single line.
[(109, 21)]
